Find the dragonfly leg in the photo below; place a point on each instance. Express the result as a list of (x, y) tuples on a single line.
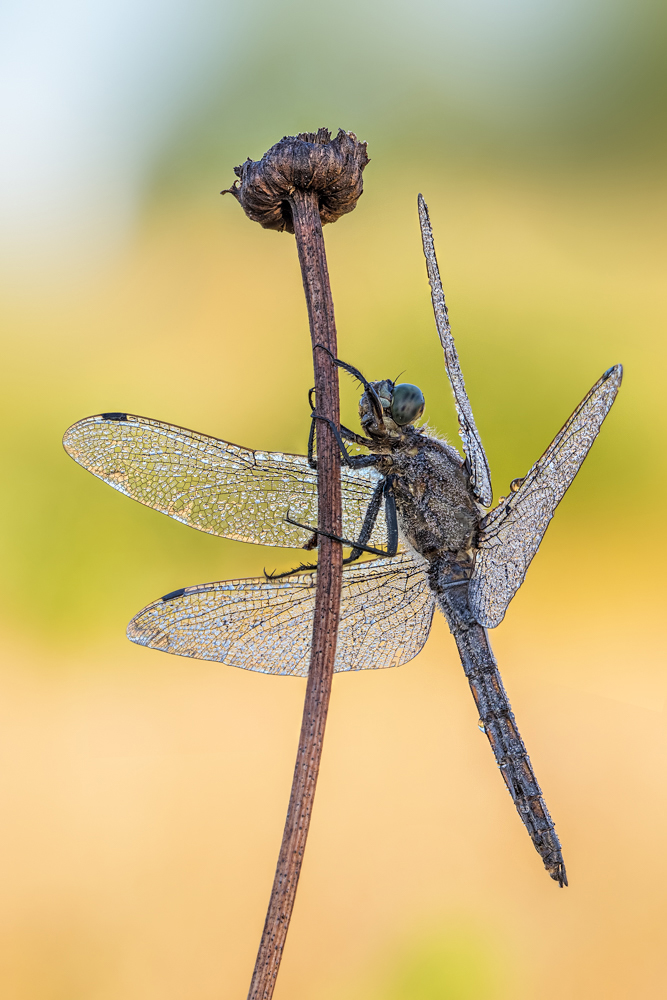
[(390, 514), (352, 461), (345, 455), (370, 518), (337, 538), (312, 461), (351, 370), (344, 432), (383, 489), (357, 438), (302, 568)]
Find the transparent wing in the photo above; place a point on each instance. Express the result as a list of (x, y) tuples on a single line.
[(480, 477), (266, 625), (512, 532), (212, 485)]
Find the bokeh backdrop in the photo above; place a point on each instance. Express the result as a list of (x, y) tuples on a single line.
[(142, 797)]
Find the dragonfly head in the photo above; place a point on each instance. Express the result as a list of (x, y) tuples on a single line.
[(401, 405)]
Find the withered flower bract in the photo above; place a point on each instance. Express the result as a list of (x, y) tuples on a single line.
[(310, 161)]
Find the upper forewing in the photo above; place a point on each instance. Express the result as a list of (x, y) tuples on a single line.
[(480, 477), (213, 485), (512, 532), (266, 625)]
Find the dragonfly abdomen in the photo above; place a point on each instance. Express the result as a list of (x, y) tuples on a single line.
[(499, 724)]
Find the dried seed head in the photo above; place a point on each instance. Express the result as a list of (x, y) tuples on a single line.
[(311, 161)]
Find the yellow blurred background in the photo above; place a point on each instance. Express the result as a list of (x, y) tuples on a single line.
[(142, 797)]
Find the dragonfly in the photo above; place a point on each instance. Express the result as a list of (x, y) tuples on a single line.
[(409, 499)]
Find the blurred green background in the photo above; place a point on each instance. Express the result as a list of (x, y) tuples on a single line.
[(142, 797)]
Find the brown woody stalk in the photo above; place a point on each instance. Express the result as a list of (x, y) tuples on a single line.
[(300, 183)]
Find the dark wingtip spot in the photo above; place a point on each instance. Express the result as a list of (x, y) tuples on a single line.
[(174, 594), (114, 416)]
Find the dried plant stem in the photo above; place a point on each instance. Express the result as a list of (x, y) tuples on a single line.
[(312, 258)]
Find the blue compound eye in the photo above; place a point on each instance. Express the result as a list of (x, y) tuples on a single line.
[(407, 404)]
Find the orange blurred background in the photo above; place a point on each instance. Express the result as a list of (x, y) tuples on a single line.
[(142, 797)]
